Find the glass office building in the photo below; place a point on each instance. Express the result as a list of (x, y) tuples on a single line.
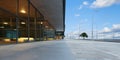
[(22, 21)]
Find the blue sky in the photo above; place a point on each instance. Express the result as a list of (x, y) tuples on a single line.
[(104, 13)]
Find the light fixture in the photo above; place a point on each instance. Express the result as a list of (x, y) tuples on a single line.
[(41, 22), (23, 11), (46, 26), (5, 23), (22, 22)]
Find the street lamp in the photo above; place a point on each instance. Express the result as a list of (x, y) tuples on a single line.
[(92, 27), (93, 24)]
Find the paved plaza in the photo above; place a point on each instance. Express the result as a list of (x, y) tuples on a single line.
[(61, 50)]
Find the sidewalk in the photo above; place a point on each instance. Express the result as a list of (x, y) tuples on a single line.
[(48, 50)]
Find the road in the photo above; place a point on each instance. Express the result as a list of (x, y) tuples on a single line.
[(61, 50)]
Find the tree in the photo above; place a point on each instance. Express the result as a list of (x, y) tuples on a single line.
[(84, 35)]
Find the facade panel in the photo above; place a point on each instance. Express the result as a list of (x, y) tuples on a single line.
[(21, 21)]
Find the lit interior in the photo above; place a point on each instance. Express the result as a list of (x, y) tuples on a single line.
[(23, 11), (5, 23)]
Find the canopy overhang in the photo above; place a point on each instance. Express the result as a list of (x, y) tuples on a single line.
[(53, 11)]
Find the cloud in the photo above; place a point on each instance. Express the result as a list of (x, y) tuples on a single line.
[(113, 32), (85, 3), (105, 30), (74, 34), (77, 15), (116, 28), (81, 6), (103, 3), (117, 35)]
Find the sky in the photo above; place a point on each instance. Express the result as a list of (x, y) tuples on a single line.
[(103, 14)]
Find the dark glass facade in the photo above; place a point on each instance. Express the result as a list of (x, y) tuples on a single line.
[(20, 21)]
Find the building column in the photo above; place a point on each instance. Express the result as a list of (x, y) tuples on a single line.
[(28, 20), (17, 20)]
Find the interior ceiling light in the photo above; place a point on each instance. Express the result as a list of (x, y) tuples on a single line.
[(22, 22), (41, 22), (5, 23), (23, 11)]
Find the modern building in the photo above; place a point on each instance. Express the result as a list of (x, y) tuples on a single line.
[(31, 20)]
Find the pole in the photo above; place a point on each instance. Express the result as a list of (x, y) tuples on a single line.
[(92, 27), (28, 20), (17, 21), (35, 22)]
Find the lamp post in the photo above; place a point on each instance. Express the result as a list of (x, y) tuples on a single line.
[(92, 27), (93, 18)]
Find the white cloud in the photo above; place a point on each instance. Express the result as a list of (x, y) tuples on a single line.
[(85, 3), (117, 35), (81, 6), (113, 32), (105, 30), (77, 15), (103, 3), (74, 34), (116, 26)]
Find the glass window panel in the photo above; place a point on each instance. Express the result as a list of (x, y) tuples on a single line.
[(7, 28), (32, 23), (23, 8)]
